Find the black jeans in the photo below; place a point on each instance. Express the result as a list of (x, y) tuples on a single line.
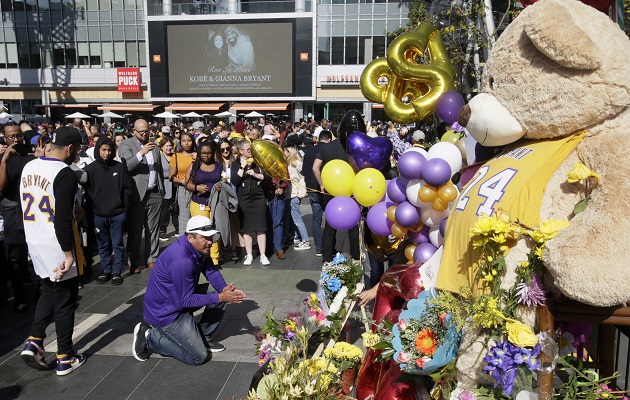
[(58, 299), (329, 237), (15, 268)]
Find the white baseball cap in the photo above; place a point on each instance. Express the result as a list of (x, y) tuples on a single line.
[(202, 226)]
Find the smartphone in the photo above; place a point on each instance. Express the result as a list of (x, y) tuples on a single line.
[(152, 139), (24, 149)]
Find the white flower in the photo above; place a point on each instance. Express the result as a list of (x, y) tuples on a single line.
[(338, 301)]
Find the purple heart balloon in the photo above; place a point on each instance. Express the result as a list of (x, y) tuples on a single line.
[(352, 121), (367, 152)]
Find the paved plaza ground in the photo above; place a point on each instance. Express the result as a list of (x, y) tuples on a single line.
[(106, 316)]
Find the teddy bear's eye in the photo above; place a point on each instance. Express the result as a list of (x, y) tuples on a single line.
[(491, 83)]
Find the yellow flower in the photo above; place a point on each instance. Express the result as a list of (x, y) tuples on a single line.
[(581, 172), (502, 215), (520, 334), (483, 227), (548, 230), (538, 252)]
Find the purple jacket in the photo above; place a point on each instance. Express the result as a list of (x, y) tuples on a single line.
[(171, 286)]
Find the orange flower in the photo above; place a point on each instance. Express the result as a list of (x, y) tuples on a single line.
[(425, 342)]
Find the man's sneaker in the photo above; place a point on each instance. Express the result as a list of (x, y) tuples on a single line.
[(264, 260), (67, 364), (104, 277), (303, 246), (33, 354), (164, 237), (318, 253), (235, 256), (139, 348), (296, 240), (215, 347), (248, 259)]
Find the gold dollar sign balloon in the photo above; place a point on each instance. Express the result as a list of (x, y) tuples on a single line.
[(270, 157), (411, 87)]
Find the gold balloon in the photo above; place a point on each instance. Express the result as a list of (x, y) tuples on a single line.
[(412, 88), (447, 193), (391, 213), (398, 231), (439, 205), (427, 193), (409, 251), (417, 228), (461, 145), (270, 158)]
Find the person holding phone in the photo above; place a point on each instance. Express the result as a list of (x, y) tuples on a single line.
[(11, 167)]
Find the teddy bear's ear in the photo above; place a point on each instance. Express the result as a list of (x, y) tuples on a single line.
[(554, 32)]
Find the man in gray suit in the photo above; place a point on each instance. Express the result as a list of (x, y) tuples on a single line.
[(142, 157)]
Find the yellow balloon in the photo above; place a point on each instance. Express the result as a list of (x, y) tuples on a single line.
[(338, 177), (369, 187), (451, 137), (427, 193), (391, 213), (411, 89), (398, 231), (447, 193), (409, 251), (270, 158)]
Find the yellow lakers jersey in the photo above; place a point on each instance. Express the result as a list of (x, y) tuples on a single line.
[(514, 181)]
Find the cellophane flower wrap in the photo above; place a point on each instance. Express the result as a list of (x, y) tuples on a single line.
[(425, 338)]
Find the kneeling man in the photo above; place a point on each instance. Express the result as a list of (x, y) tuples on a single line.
[(173, 294)]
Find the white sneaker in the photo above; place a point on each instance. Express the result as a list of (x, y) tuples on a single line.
[(296, 240), (248, 259), (264, 260), (303, 246)]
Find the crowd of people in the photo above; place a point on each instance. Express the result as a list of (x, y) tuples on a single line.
[(138, 179)]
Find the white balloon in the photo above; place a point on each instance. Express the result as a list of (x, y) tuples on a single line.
[(448, 152), (412, 191), (432, 218), (418, 150), (434, 236)]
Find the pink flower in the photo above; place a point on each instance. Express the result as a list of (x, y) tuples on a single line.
[(403, 357), (402, 325), (443, 319), (466, 395), (421, 361)]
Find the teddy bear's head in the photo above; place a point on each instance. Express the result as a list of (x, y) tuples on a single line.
[(559, 67)]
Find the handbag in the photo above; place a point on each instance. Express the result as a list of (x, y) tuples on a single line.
[(301, 188)]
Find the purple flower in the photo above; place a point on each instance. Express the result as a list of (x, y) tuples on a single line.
[(531, 295), (289, 335), (527, 357), (507, 380)]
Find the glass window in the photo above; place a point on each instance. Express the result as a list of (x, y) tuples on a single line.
[(83, 54), (337, 28), (71, 56), (22, 35), (324, 10), (132, 54), (380, 9), (352, 57), (393, 24), (378, 27), (337, 51), (82, 33), (105, 16), (12, 55), (59, 56), (105, 4), (48, 57), (142, 54), (92, 17), (365, 28), (95, 54), (108, 54), (140, 33), (130, 32), (323, 46), (117, 4), (130, 16), (6, 5), (3, 56), (118, 32), (323, 28), (106, 33), (119, 54), (378, 49), (94, 33), (117, 15), (9, 34), (22, 49), (35, 56), (365, 49), (352, 26), (92, 4), (68, 4)]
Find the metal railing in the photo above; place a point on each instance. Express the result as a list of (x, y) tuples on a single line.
[(217, 7)]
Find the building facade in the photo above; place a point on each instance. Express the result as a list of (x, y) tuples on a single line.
[(141, 56)]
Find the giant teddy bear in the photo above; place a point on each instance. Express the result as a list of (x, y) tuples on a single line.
[(557, 82)]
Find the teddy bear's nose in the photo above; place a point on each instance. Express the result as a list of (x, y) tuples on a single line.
[(464, 115)]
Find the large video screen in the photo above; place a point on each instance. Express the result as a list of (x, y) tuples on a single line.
[(232, 59)]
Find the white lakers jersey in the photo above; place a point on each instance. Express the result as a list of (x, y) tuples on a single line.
[(38, 213)]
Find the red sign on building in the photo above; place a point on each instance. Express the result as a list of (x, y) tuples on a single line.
[(128, 79)]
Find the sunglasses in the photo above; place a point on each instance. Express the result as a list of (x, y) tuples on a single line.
[(204, 228), (224, 149)]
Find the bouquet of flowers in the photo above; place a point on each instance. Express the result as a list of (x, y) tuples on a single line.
[(277, 335), (313, 313), (425, 338), (343, 355)]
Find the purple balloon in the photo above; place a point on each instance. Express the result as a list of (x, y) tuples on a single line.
[(396, 190), (407, 215), (448, 105), (410, 165), (423, 252), (367, 152), (436, 172), (342, 213), (422, 236), (377, 219), (443, 226)]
